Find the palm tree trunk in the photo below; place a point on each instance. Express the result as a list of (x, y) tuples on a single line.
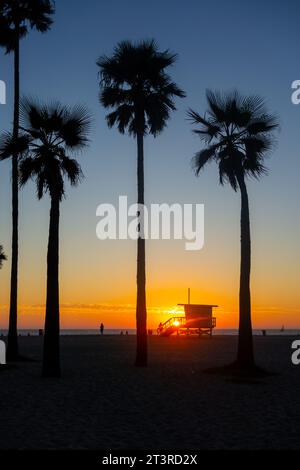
[(12, 345), (141, 310), (51, 356), (245, 357)]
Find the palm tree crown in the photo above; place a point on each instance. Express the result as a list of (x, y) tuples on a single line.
[(16, 16), (51, 134), (135, 84), (236, 131)]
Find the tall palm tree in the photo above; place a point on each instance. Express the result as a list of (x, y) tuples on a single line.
[(16, 18), (54, 133), (2, 256), (237, 132), (135, 85)]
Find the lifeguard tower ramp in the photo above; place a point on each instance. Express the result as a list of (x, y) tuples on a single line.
[(198, 319)]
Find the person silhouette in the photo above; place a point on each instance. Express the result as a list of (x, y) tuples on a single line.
[(101, 329)]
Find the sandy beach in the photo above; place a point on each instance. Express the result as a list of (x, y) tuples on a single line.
[(102, 401)]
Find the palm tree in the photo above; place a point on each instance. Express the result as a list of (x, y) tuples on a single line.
[(53, 134), (140, 93), (16, 18), (2, 256), (237, 132)]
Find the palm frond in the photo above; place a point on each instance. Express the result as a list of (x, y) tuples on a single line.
[(203, 157), (263, 124), (32, 115), (10, 146), (207, 131), (217, 107), (2, 256), (158, 112), (76, 126), (39, 14), (71, 169), (27, 171), (123, 116), (257, 147), (227, 173), (114, 95)]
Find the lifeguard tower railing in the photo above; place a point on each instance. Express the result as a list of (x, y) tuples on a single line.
[(198, 319)]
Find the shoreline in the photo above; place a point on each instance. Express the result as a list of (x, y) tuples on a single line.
[(79, 333)]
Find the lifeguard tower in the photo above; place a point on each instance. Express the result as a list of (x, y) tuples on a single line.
[(198, 319)]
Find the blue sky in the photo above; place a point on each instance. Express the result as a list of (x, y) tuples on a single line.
[(252, 46)]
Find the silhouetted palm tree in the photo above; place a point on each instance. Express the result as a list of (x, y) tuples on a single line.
[(237, 133), (16, 18), (53, 134), (137, 88), (2, 256)]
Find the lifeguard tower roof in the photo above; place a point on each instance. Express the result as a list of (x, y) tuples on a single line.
[(198, 305)]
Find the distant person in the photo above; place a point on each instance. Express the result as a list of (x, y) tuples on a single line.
[(264, 333), (101, 329), (126, 333)]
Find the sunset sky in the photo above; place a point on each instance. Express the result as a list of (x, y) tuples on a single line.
[(221, 45)]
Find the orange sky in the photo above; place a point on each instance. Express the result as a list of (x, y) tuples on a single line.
[(104, 291), (97, 278)]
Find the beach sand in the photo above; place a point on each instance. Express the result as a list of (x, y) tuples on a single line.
[(104, 402)]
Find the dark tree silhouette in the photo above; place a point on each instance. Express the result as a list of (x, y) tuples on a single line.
[(135, 85), (2, 256), (237, 132), (16, 18), (51, 136)]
